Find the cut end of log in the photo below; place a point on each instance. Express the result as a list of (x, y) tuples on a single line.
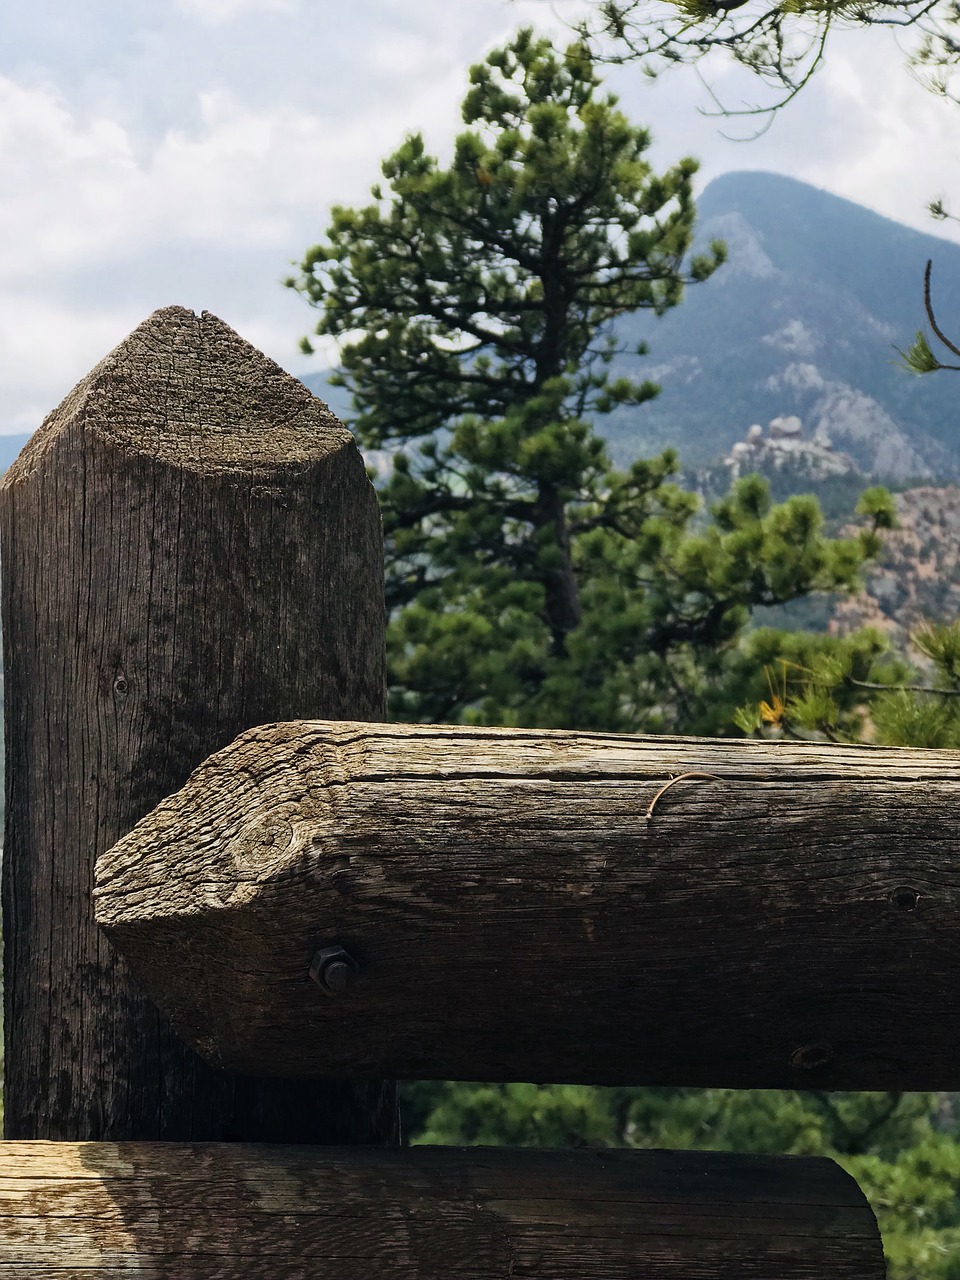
[(188, 390)]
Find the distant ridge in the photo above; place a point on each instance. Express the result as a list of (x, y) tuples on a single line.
[(10, 446), (803, 320)]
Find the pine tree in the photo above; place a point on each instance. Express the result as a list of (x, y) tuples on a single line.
[(828, 695), (528, 580), (531, 582)]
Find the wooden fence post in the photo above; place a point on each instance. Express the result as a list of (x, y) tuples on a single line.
[(190, 547)]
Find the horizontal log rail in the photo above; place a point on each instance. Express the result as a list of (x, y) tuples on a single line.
[(553, 906), (177, 1211)]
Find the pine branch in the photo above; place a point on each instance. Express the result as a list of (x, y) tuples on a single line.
[(902, 688)]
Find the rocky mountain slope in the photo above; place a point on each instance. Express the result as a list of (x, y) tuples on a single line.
[(803, 320), (917, 577)]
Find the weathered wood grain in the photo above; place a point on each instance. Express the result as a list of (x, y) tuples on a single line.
[(190, 547), (792, 920), (171, 1211)]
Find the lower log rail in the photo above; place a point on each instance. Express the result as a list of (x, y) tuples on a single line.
[(177, 1211)]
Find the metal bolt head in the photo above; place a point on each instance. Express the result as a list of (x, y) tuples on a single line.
[(333, 970)]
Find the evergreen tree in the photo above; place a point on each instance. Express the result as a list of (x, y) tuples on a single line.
[(825, 694), (529, 581)]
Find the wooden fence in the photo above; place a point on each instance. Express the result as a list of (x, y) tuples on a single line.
[(235, 907)]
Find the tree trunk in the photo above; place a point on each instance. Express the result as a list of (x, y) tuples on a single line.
[(562, 607)]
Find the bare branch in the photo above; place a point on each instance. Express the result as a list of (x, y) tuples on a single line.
[(928, 307)]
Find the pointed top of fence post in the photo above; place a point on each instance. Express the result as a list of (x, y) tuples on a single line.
[(188, 390)]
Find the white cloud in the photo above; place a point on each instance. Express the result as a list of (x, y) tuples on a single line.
[(174, 164), (79, 190), (217, 12), (37, 335), (59, 198), (99, 225), (901, 140)]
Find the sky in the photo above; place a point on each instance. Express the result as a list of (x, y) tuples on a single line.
[(188, 152)]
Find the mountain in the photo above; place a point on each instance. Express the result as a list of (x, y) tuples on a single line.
[(917, 576), (10, 446), (803, 320)]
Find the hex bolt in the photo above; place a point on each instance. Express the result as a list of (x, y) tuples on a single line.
[(333, 970)]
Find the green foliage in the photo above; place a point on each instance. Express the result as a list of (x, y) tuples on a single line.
[(837, 495), (925, 714), (878, 503), (531, 582), (915, 1199), (516, 1115), (662, 601), (528, 580), (940, 642), (919, 357), (854, 688), (813, 685), (758, 1120)]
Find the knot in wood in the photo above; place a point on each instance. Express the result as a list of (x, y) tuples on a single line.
[(904, 898), (810, 1056)]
